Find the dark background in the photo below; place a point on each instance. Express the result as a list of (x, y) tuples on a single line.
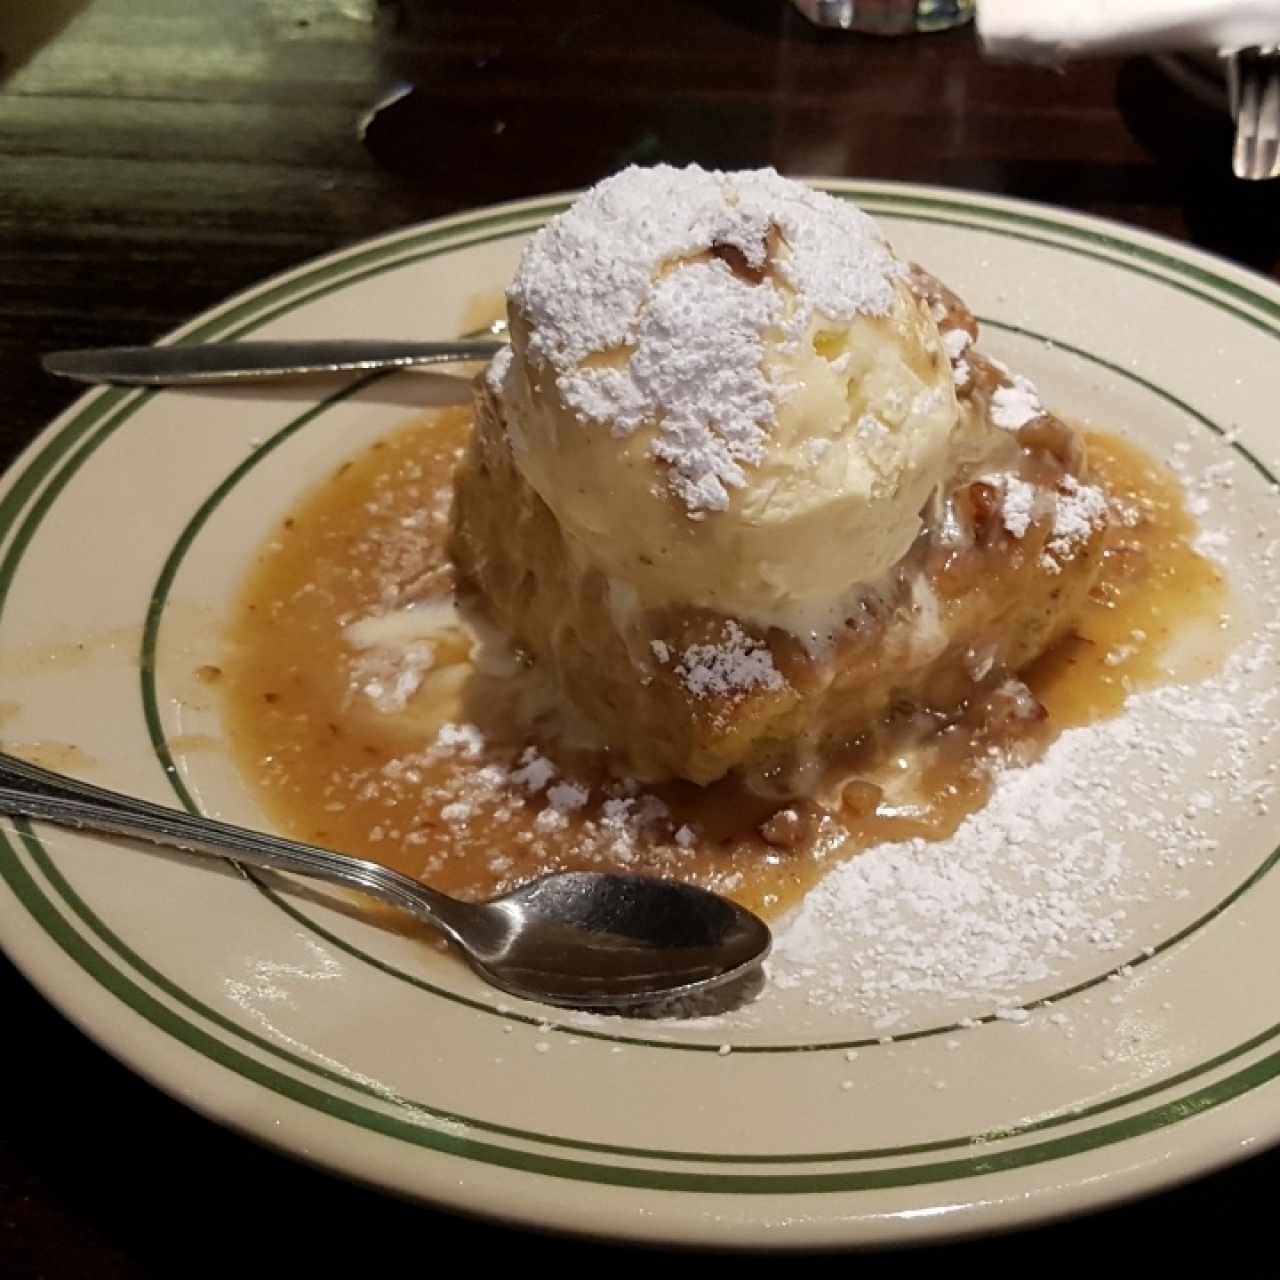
[(157, 155)]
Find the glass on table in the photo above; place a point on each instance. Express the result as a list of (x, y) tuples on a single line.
[(887, 17)]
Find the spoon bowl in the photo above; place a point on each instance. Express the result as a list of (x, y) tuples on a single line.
[(593, 940), (580, 939)]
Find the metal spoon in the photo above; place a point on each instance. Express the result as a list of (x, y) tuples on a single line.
[(583, 939), (202, 363)]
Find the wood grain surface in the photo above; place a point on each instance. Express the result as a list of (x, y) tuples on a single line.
[(158, 155)]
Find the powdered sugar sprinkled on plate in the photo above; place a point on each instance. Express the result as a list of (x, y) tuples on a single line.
[(1053, 868)]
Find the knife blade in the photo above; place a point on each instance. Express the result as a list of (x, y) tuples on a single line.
[(214, 362)]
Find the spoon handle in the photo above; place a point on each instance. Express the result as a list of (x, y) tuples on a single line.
[(33, 792)]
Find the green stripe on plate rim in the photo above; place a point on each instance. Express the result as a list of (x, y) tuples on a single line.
[(64, 891), (358, 264), (984, 1162), (336, 273)]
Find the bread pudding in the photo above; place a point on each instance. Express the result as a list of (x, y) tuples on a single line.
[(744, 560), (745, 487)]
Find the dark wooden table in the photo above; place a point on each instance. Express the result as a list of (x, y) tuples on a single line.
[(156, 155)]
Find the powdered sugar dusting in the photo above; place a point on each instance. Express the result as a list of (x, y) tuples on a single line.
[(498, 368), (1018, 501), (494, 811), (464, 740), (1079, 510), (1045, 873), (535, 770), (389, 678), (736, 665), (623, 272), (567, 797), (697, 360), (1013, 406)]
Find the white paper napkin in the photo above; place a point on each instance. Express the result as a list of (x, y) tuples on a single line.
[(1052, 30)]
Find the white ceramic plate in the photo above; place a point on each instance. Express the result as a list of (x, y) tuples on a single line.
[(125, 529)]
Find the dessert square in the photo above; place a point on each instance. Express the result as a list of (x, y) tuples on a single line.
[(747, 490)]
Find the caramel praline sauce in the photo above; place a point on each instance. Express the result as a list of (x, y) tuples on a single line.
[(332, 769)]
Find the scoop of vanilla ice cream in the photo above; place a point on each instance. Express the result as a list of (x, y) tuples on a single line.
[(724, 390)]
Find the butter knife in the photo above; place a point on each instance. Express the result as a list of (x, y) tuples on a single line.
[(212, 362)]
